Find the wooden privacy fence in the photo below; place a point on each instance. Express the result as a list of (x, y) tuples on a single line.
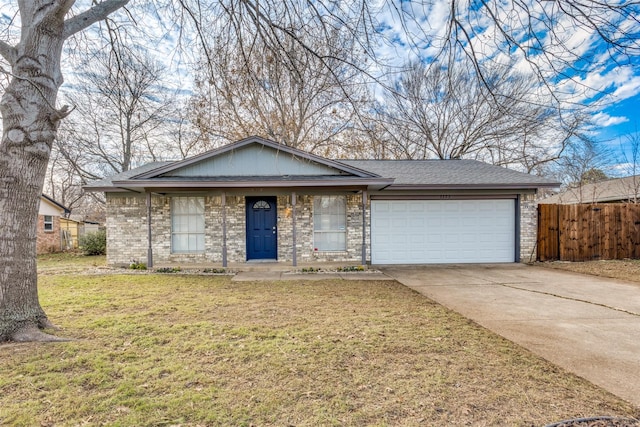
[(588, 232)]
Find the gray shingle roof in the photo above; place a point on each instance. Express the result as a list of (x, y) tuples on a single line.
[(108, 181), (448, 173), (612, 190), (407, 174)]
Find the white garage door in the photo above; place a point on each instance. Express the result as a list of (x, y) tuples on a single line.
[(442, 231)]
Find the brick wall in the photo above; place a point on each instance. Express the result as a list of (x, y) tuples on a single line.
[(48, 241), (304, 231), (528, 227), (127, 230)]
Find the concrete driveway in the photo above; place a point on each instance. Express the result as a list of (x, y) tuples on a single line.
[(587, 325)]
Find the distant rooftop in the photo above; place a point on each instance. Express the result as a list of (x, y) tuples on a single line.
[(612, 190)]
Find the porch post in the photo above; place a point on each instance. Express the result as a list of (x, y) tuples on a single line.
[(364, 227), (149, 246), (293, 225), (224, 229)]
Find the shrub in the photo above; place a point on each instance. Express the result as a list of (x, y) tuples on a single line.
[(94, 243), (136, 265), (214, 270), (352, 268), (168, 270)]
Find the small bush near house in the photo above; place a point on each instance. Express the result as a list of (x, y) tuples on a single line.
[(168, 270), (214, 270), (136, 265), (351, 268), (94, 243)]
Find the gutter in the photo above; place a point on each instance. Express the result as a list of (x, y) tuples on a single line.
[(533, 185), (349, 182)]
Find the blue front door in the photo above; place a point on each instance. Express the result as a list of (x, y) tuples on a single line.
[(262, 235)]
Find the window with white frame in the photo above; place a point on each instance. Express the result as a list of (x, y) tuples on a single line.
[(330, 223), (187, 224), (48, 223)]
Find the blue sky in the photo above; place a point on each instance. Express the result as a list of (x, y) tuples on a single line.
[(614, 135), (582, 69)]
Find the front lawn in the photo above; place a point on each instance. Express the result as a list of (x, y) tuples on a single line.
[(167, 349), (69, 263)]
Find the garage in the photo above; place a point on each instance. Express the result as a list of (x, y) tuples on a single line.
[(443, 231)]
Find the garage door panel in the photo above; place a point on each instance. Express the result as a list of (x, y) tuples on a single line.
[(442, 231)]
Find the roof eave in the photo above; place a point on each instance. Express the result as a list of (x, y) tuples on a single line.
[(98, 189), (372, 183), (522, 186)]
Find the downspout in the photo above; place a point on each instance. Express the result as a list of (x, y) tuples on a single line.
[(293, 226), (224, 229), (149, 246), (364, 227)]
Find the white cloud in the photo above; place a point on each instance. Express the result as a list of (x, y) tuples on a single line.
[(627, 88), (603, 119)]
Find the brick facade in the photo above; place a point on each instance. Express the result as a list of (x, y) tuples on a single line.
[(528, 227), (48, 241), (127, 230)]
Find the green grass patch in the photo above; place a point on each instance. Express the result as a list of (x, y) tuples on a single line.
[(191, 350)]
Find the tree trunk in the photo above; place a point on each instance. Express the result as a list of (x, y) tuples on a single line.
[(30, 121)]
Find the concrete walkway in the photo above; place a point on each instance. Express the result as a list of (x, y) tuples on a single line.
[(252, 276), (587, 325)]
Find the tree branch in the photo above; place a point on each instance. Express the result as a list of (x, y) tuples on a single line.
[(97, 13), (8, 52)]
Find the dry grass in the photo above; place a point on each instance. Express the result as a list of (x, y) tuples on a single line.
[(628, 269), (69, 263), (168, 349)]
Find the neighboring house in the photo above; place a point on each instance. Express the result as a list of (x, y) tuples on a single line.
[(256, 200), (618, 190), (91, 227), (49, 236)]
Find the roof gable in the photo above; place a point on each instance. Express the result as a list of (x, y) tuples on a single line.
[(50, 206), (254, 157)]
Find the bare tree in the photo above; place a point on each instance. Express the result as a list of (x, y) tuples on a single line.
[(553, 39), (305, 95), (437, 112), (584, 162), (62, 182), (631, 166), (121, 112)]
